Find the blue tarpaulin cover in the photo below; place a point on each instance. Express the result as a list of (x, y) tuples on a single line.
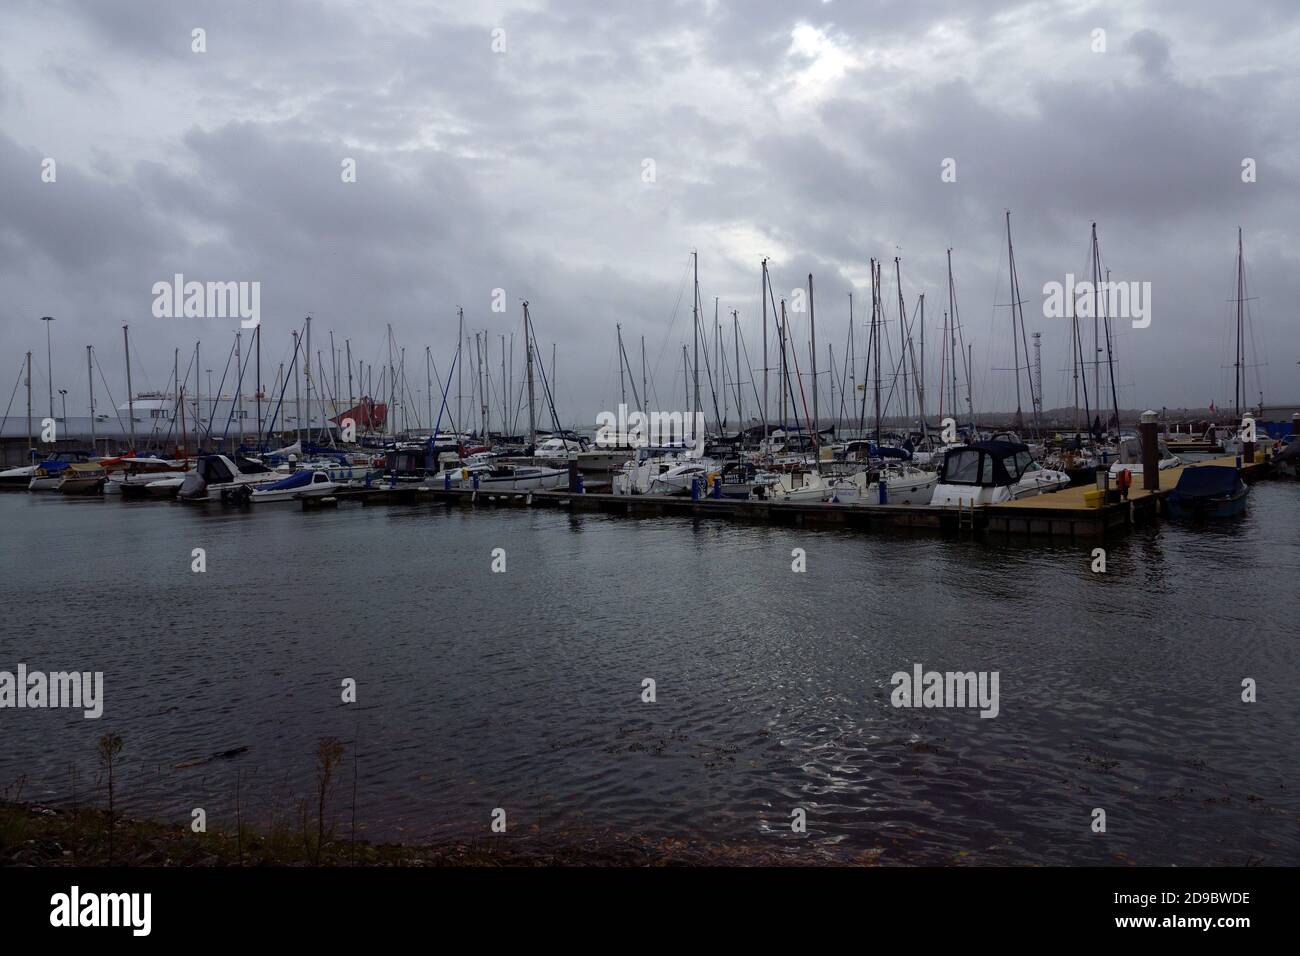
[(296, 480), (1206, 481)]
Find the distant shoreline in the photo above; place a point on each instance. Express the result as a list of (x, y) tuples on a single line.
[(37, 835)]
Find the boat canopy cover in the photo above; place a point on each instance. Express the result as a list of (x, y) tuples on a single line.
[(297, 480), (981, 463), (1000, 448), (1206, 481), (214, 470)]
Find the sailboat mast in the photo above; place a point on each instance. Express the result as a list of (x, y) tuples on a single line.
[(920, 376), (130, 395), (876, 330), (812, 355), (1015, 342), (695, 318), (622, 381), (239, 382), (532, 411), (1238, 390), (31, 439), (306, 369), (763, 296), (297, 396), (902, 340), (90, 377), (257, 344), (735, 347)]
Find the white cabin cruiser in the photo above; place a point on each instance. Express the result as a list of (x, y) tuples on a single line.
[(1130, 457), (678, 478), (215, 476), (990, 472)]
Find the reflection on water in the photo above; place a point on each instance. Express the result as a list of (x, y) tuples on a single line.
[(523, 690)]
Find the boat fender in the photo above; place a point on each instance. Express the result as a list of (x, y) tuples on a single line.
[(1123, 481)]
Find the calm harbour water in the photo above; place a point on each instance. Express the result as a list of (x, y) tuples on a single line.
[(522, 690)]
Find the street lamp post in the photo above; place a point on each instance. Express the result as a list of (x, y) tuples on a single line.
[(49, 364), (63, 397)]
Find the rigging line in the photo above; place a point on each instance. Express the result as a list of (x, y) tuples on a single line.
[(681, 291), (13, 395), (104, 381), (744, 348), (212, 414)]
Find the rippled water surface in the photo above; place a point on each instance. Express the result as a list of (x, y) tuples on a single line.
[(522, 689)]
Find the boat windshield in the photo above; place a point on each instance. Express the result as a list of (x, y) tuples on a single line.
[(963, 467)]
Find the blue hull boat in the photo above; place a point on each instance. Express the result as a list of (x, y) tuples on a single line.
[(1207, 492)]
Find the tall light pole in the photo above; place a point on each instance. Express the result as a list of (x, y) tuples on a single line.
[(63, 397), (49, 365)]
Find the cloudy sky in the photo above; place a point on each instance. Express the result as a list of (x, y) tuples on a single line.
[(504, 145)]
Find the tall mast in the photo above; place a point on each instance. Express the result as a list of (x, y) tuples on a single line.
[(902, 341), (460, 388), (1238, 389), (297, 396), (239, 382), (31, 438), (90, 376), (877, 328), (735, 335), (622, 381), (334, 367), (348, 346), (645, 382), (695, 316), (130, 395), (763, 296), (257, 343), (307, 372), (920, 376), (781, 375), (1105, 323), (812, 354), (482, 392), (198, 399), (1015, 342), (532, 413)]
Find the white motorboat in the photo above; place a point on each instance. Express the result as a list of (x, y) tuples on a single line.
[(680, 476), (990, 472), (650, 463), (17, 477), (215, 476), (1130, 457), (799, 486), (313, 483)]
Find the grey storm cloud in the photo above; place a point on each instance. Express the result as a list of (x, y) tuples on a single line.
[(811, 133)]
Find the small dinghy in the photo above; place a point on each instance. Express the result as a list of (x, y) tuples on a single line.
[(1207, 491)]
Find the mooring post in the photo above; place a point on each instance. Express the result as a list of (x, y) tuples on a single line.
[(1295, 424), (573, 474), (1150, 451)]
